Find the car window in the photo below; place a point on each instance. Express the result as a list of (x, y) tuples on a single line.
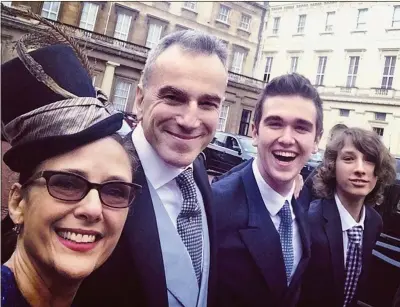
[(219, 139), (398, 169), (247, 144), (232, 143)]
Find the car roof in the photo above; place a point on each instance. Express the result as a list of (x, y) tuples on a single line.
[(235, 135)]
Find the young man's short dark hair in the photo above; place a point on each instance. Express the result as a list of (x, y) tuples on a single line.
[(291, 85)]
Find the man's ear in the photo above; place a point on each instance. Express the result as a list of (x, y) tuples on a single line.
[(16, 204), (254, 134), (139, 101)]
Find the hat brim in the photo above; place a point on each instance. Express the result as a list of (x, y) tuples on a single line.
[(26, 156)]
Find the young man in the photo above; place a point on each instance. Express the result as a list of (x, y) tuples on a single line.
[(344, 226), (166, 255), (263, 238)]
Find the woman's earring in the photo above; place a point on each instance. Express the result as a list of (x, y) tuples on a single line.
[(17, 228)]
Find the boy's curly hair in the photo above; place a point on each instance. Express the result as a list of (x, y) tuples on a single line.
[(368, 143)]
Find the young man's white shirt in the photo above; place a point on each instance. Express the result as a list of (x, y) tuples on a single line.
[(274, 202)]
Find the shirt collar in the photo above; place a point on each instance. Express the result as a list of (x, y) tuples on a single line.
[(345, 217), (272, 199), (157, 171)]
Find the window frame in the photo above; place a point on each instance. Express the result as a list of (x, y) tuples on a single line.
[(122, 36), (294, 61), (301, 25), (242, 22), (119, 80), (377, 130), (363, 24), (239, 68), (49, 11), (84, 24), (329, 26), (276, 25), (268, 68), (389, 76), (344, 112), (379, 117), (396, 8), (151, 44), (222, 125), (221, 6), (188, 7), (322, 60), (352, 71)]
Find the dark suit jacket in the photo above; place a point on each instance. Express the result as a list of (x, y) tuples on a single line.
[(233, 170), (134, 274), (325, 277), (251, 270)]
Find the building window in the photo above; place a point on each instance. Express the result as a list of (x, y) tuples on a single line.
[(388, 72), (237, 62), (89, 15), (223, 115), (245, 122), (121, 94), (153, 35), (268, 68), (379, 131), (275, 29), (362, 19), (223, 13), (293, 64), (50, 9), (321, 70), (190, 5), (352, 73), (344, 112), (380, 116), (301, 24), (122, 27), (396, 17), (329, 21), (245, 22)]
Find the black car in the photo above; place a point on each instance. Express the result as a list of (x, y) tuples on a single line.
[(227, 150), (384, 277), (312, 163)]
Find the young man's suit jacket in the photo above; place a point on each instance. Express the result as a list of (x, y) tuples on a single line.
[(134, 275), (251, 270), (325, 277)]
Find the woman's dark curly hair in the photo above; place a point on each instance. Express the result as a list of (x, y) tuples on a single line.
[(368, 143)]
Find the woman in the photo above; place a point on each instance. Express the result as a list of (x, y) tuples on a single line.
[(74, 191), (344, 226)]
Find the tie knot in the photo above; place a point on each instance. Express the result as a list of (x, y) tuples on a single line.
[(285, 213), (355, 234), (185, 179)]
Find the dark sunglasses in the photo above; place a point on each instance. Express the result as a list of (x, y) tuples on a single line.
[(72, 187)]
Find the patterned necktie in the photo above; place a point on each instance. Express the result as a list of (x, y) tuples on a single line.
[(353, 263), (286, 235), (189, 220)]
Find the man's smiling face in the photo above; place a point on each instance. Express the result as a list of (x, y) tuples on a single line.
[(180, 106), (285, 137)]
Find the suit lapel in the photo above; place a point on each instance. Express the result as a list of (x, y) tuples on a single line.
[(201, 178), (333, 229), (142, 236), (304, 230), (261, 237)]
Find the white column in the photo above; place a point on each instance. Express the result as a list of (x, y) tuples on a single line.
[(108, 77)]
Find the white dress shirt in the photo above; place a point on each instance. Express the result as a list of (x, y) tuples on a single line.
[(161, 175), (348, 222), (274, 202)]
